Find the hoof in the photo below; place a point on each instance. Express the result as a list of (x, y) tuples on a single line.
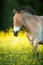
[(35, 54)]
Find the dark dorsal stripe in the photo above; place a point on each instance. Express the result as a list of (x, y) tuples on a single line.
[(27, 9)]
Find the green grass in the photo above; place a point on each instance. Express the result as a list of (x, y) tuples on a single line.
[(18, 50)]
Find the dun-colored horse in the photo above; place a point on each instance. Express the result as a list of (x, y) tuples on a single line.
[(32, 24)]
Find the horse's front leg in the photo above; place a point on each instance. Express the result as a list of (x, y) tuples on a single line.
[(29, 36), (35, 45), (34, 42)]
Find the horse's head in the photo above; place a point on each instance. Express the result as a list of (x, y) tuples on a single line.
[(17, 22)]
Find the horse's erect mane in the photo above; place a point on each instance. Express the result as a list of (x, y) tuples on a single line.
[(27, 9)]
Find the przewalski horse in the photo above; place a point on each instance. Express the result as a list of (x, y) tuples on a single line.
[(33, 25)]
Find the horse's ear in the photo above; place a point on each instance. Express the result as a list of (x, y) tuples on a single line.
[(14, 11), (22, 11)]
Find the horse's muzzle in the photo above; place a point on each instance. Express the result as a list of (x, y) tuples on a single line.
[(16, 33)]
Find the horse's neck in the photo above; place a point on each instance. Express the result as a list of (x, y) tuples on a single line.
[(27, 20), (30, 23)]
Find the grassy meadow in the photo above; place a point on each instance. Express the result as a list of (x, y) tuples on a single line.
[(18, 50)]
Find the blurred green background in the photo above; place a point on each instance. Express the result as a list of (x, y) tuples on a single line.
[(7, 6)]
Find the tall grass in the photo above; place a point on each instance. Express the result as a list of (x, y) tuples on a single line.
[(18, 50)]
